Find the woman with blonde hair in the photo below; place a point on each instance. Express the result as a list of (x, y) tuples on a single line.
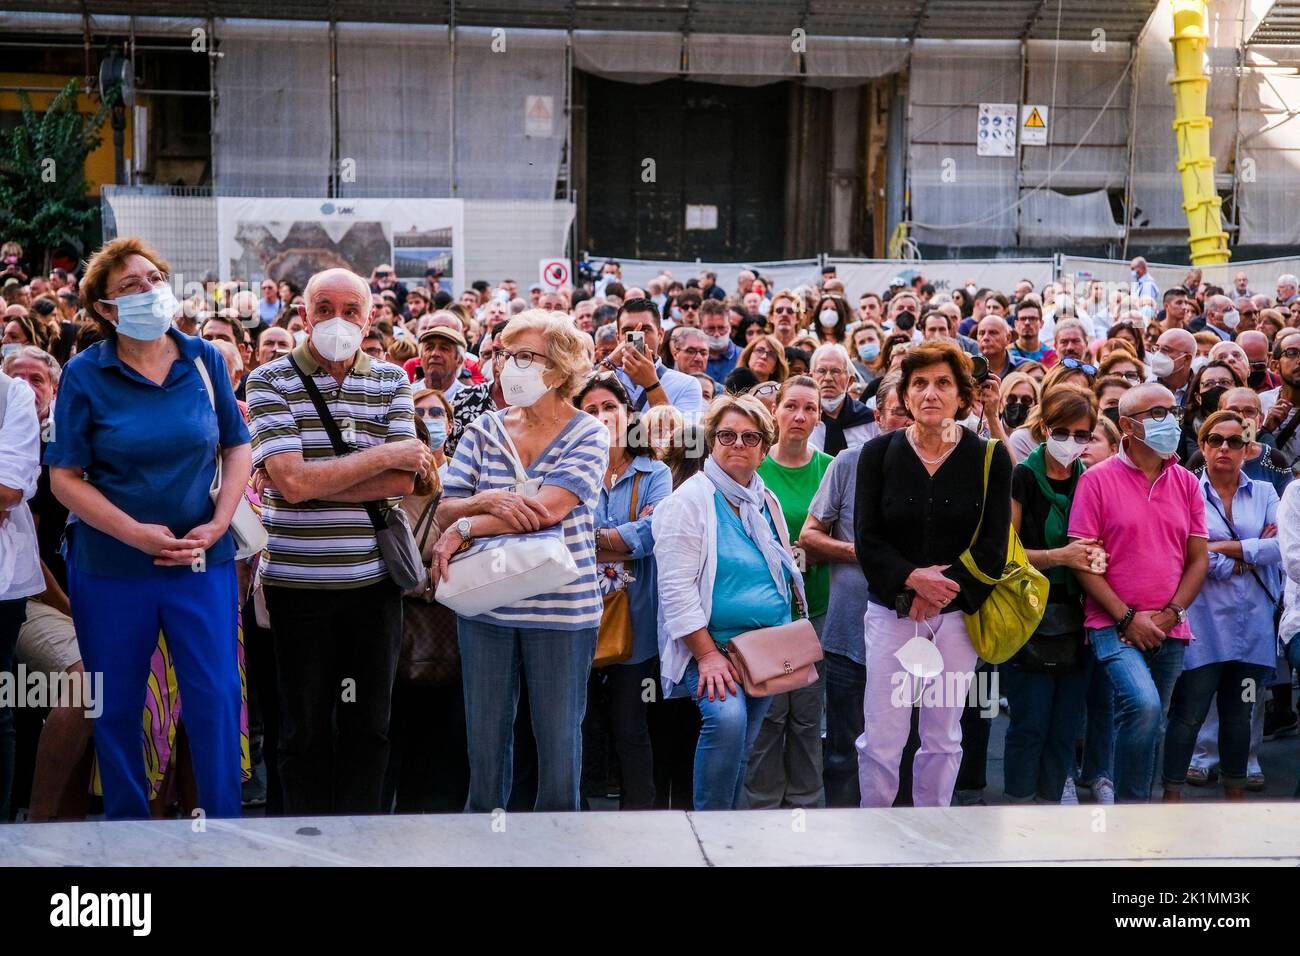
[(765, 357), (722, 571), (549, 639), (1018, 395)]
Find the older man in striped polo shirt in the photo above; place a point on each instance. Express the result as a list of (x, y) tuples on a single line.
[(336, 616)]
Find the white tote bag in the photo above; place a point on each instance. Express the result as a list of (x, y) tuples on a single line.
[(245, 526), (505, 569)]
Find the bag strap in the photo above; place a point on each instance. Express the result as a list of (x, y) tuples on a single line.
[(988, 464), (212, 400), (336, 438), (774, 506), (426, 519), (636, 482), (1233, 531), (1285, 434), (507, 446)]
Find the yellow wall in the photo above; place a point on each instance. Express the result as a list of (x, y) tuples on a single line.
[(99, 164)]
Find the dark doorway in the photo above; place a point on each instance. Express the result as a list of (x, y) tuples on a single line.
[(711, 146)]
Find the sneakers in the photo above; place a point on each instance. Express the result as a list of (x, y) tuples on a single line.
[(1070, 795), (1280, 725), (1103, 790), (1201, 777)]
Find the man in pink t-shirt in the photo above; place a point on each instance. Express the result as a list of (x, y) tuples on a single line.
[(1149, 515)]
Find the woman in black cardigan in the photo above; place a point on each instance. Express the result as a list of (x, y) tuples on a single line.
[(919, 498)]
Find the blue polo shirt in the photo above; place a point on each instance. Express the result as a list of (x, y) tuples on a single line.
[(149, 449), (719, 368)]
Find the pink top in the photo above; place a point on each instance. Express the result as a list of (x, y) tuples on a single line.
[(1144, 529)]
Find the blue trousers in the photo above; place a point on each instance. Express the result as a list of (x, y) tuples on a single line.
[(1143, 683), (1045, 713), (727, 736), (554, 666), (117, 621)]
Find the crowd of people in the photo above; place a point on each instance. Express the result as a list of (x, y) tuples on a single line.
[(367, 546)]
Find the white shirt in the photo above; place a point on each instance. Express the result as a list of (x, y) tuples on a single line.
[(20, 467), (1288, 533)]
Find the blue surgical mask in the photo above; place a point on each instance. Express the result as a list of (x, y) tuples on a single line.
[(1147, 312), (437, 430), (1161, 436), (146, 315), (869, 352)]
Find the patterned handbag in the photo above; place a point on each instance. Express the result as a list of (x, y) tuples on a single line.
[(430, 654)]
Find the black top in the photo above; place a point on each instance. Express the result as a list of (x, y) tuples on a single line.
[(51, 517), (1034, 509), (907, 519)]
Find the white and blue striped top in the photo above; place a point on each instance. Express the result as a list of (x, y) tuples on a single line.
[(574, 461)]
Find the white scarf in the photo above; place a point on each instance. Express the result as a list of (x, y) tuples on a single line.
[(750, 500)]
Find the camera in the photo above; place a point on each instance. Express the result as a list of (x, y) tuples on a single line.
[(979, 368)]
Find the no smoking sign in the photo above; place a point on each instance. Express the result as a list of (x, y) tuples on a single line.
[(555, 273)]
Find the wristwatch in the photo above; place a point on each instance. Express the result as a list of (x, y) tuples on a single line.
[(1179, 611), (462, 525)]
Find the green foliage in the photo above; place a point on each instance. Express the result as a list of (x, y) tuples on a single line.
[(43, 202)]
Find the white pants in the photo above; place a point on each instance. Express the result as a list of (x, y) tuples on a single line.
[(887, 708)]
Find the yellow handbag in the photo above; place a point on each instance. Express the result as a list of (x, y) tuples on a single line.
[(1012, 612), (614, 641)]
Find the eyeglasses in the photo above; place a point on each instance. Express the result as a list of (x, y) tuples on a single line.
[(1080, 437), (763, 351), (786, 311), (1158, 414), (135, 284), (1084, 367), (1133, 378), (375, 352), (1234, 442), (728, 438), (1290, 354), (764, 389), (434, 412), (523, 358), (696, 353), (825, 372)]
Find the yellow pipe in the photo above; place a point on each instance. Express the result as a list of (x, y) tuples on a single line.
[(1201, 202)]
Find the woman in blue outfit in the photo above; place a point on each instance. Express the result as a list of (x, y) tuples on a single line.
[(133, 456), (722, 571), (634, 484), (1234, 641)]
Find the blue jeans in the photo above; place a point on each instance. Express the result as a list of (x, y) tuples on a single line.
[(1144, 683), (1045, 713), (555, 666), (1238, 686), (1099, 730), (727, 736), (846, 685)]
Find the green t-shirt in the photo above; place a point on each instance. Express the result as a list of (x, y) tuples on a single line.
[(794, 489)]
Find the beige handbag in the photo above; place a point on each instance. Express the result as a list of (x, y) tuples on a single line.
[(773, 660)]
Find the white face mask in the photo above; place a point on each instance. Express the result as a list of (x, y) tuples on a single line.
[(1199, 363), (1065, 452), (829, 318), (486, 370), (299, 337), (1231, 319), (920, 658), (831, 404), (523, 386), (1161, 365), (336, 339)]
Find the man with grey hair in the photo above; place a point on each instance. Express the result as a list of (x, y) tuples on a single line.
[(845, 422), (1220, 317), (1143, 284), (690, 350), (1288, 289), (442, 353), (336, 614), (1071, 340), (1241, 284), (1149, 513)]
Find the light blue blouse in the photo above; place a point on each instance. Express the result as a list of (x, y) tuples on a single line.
[(1232, 617), (744, 595)]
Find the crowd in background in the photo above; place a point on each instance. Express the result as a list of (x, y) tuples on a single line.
[(684, 465)]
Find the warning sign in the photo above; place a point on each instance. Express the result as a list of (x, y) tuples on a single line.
[(996, 135), (539, 113), (1033, 125), (554, 273)]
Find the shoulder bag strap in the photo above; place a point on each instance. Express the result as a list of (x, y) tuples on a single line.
[(336, 439), (636, 481), (1284, 436), (426, 519), (212, 400), (988, 463), (1233, 531), (507, 445)]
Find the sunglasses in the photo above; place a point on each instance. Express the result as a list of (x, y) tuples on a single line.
[(1084, 367), (728, 438), (1064, 434), (1022, 400), (1290, 354), (1234, 442)]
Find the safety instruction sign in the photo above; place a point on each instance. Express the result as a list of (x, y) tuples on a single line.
[(1033, 125), (996, 133)]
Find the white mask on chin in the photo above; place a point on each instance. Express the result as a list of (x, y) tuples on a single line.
[(832, 405), (336, 339)]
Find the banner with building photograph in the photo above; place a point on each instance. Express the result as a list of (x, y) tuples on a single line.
[(294, 238)]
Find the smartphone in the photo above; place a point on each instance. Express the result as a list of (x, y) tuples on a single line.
[(637, 341)]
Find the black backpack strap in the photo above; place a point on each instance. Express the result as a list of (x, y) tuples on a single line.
[(336, 438)]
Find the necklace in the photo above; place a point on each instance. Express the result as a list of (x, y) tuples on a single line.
[(614, 474), (911, 437)]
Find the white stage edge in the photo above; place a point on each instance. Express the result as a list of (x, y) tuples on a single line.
[(1251, 834)]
